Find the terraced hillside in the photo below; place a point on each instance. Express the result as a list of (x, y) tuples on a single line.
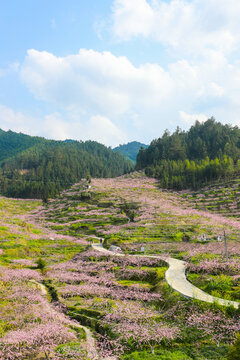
[(30, 327), (52, 280), (221, 198), (132, 209)]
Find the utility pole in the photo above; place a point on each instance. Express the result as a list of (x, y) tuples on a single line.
[(225, 241)]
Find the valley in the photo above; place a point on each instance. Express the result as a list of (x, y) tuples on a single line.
[(124, 301), (120, 180)]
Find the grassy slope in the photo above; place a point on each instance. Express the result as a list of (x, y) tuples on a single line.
[(23, 308), (159, 216), (162, 221)]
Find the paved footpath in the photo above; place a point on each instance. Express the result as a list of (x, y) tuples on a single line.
[(176, 278)]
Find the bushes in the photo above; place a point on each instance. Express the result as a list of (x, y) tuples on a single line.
[(41, 265), (85, 196), (129, 209), (234, 352), (160, 355), (149, 276)]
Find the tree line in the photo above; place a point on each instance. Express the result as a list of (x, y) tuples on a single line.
[(190, 159)]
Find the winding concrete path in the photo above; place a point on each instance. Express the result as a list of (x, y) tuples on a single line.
[(176, 278)]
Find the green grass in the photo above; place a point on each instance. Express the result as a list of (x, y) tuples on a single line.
[(216, 285), (188, 353), (131, 282)]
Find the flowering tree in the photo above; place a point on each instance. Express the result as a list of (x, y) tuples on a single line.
[(214, 324), (136, 326), (30, 342), (216, 266)]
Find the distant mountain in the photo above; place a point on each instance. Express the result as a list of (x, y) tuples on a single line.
[(130, 150), (33, 167)]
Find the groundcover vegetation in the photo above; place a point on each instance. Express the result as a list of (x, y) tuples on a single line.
[(52, 281)]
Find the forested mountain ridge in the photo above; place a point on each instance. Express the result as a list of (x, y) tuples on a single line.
[(131, 149), (190, 159), (40, 168), (12, 143)]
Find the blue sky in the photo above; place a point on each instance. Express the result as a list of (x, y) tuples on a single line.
[(117, 70)]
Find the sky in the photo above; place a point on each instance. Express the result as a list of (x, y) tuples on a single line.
[(115, 71)]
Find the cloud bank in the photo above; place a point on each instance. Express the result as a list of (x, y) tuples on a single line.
[(190, 27), (101, 96), (54, 126), (95, 86)]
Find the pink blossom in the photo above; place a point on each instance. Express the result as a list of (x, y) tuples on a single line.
[(29, 342), (7, 274)]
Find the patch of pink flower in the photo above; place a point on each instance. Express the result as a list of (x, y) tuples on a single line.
[(28, 343), (7, 274), (216, 267)]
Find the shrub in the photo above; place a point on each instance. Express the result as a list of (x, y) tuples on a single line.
[(234, 352), (85, 196), (161, 355), (129, 210), (41, 264)]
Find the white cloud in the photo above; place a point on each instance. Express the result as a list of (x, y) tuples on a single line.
[(132, 18), (15, 121), (90, 80), (98, 128), (187, 26), (104, 131), (92, 88), (191, 118), (53, 126)]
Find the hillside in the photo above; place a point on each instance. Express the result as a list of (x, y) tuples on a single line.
[(12, 143), (131, 149), (220, 197), (124, 301), (207, 152), (38, 168), (131, 209)]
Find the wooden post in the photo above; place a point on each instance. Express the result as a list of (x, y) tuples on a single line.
[(225, 241)]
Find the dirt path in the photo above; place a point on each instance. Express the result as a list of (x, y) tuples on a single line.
[(90, 341), (176, 278)]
